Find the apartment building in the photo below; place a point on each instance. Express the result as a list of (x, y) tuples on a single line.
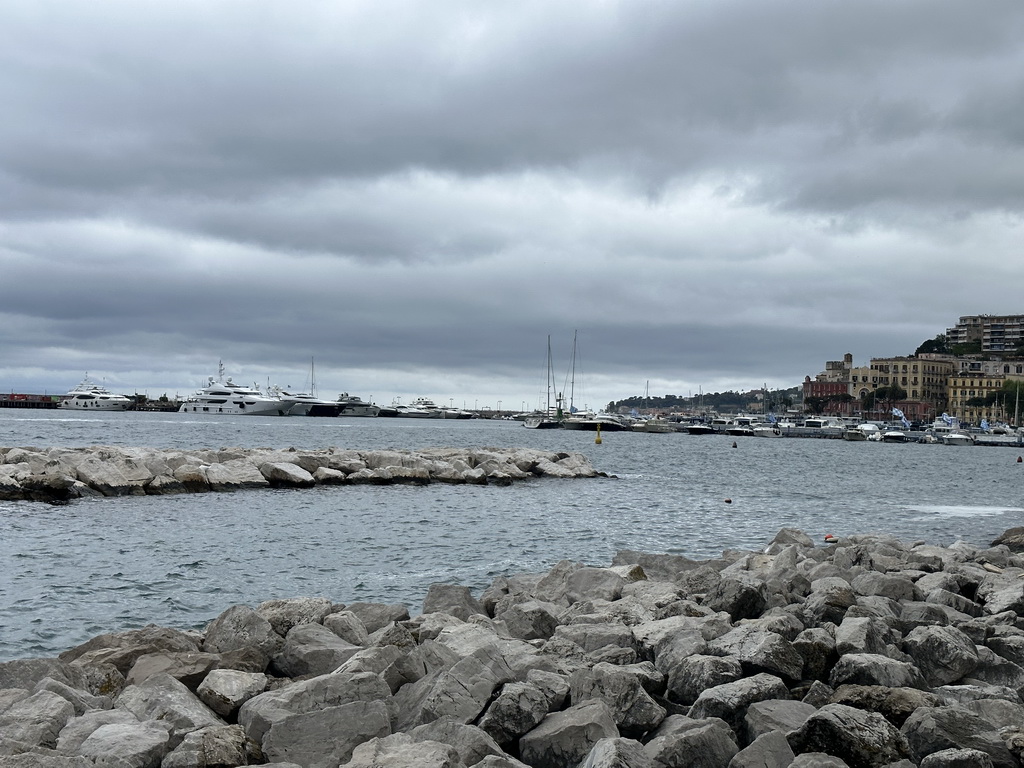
[(965, 387), (995, 333)]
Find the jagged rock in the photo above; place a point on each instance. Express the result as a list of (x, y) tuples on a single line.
[(471, 743), (284, 474), (681, 740), (1013, 538), (115, 475), (874, 669), (943, 654), (886, 585), (658, 567), (36, 720), (163, 698), (823, 760), (453, 600), (26, 673), (829, 600), (729, 701), (957, 758), (377, 615), (564, 739), (226, 690), (262, 712), (402, 751), (323, 738), (995, 670), (287, 613), (633, 709), (133, 744), (742, 597), (462, 692), (593, 637), (699, 672), (593, 584), (214, 747), (74, 734), (312, 649), (895, 704), (764, 717), (190, 667), (760, 651), (864, 634), (862, 739), (241, 627), (521, 706), (817, 647), (618, 753), (347, 626), (530, 620), (82, 701), (769, 750), (931, 729)]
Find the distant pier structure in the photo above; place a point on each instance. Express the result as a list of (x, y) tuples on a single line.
[(17, 400)]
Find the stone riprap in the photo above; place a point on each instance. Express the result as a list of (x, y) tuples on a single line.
[(61, 474), (865, 652)]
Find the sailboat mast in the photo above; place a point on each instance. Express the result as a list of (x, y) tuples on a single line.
[(547, 407), (572, 377)]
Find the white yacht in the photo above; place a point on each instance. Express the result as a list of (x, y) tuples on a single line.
[(90, 396), (224, 397)]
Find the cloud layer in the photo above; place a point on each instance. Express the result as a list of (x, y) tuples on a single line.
[(716, 195)]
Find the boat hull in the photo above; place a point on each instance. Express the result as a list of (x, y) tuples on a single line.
[(533, 423), (95, 405), (589, 425)]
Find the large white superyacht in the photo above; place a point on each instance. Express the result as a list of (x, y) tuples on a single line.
[(224, 397), (90, 396)]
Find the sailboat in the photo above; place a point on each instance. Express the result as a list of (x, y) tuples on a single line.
[(546, 420)]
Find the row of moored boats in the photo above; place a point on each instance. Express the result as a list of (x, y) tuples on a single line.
[(225, 397)]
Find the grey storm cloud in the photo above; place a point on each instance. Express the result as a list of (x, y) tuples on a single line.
[(714, 194)]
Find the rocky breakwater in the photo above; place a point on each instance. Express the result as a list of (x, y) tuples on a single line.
[(62, 474), (864, 652)]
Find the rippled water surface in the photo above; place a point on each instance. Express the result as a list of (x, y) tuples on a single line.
[(98, 565)]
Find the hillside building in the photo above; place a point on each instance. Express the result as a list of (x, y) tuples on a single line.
[(995, 333)]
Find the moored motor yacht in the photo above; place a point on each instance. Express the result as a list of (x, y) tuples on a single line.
[(350, 405), (862, 432), (90, 396), (224, 397), (699, 428), (595, 421), (958, 437), (306, 404)]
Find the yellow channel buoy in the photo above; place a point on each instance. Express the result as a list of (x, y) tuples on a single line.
[(598, 438)]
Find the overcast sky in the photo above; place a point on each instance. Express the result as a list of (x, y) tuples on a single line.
[(714, 194)]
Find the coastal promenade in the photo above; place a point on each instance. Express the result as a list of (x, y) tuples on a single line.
[(861, 651)]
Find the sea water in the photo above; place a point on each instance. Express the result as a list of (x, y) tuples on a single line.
[(68, 573)]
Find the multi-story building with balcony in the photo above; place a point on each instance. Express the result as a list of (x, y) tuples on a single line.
[(995, 333), (968, 390), (923, 378)]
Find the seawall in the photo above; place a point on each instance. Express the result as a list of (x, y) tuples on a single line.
[(862, 652), (59, 475)]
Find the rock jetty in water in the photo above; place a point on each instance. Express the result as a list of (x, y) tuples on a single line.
[(865, 652), (62, 474)]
